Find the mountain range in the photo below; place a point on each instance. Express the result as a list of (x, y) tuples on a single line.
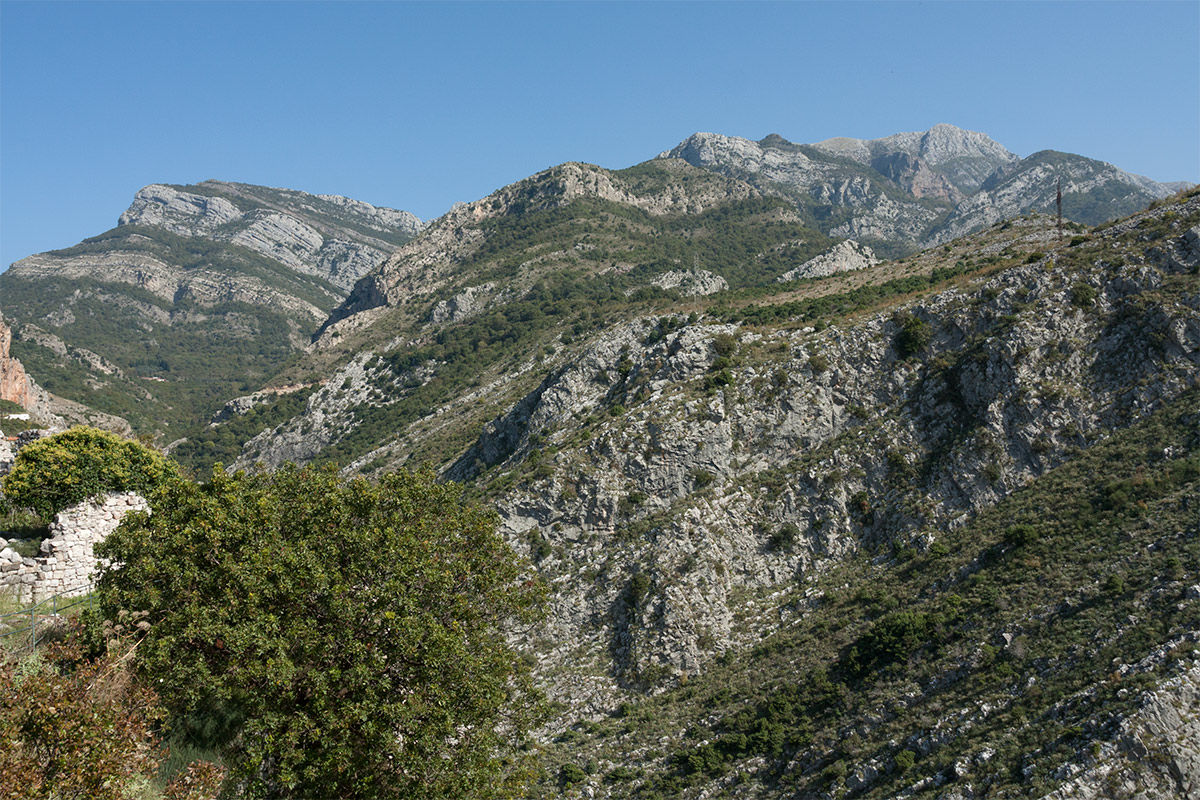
[(849, 472), (921, 189)]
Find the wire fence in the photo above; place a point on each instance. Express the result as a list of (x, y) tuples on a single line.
[(38, 618)]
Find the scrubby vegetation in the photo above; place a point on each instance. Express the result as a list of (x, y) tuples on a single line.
[(892, 664)]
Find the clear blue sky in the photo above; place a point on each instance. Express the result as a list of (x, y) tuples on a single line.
[(419, 105)]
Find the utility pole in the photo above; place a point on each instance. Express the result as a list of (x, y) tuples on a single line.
[(1058, 201)]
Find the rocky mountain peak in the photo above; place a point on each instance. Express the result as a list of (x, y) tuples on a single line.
[(966, 173), (185, 213), (714, 150), (200, 209), (944, 142), (773, 140)]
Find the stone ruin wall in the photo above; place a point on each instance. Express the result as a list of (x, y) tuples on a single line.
[(67, 561)]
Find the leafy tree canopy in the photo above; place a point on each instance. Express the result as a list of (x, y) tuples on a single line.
[(69, 467), (355, 633)]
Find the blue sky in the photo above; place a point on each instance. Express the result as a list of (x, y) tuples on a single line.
[(419, 105)]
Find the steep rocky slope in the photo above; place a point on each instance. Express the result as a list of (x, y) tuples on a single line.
[(709, 495), (700, 445), (221, 282), (1045, 647), (535, 268), (920, 188), (692, 475)]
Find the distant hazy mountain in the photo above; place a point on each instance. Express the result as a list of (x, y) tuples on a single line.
[(923, 188), (200, 293)]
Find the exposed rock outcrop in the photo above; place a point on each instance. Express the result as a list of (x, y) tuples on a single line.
[(1156, 753), (466, 303), (692, 283), (843, 257), (14, 383)]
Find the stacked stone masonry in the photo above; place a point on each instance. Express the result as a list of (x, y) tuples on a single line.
[(67, 561)]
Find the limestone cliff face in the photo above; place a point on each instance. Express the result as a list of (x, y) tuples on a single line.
[(330, 237), (161, 275)]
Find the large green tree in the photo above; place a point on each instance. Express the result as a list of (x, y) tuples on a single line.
[(355, 633), (58, 471)]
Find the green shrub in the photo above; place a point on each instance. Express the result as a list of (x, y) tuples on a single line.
[(785, 537), (639, 585), (892, 638), (717, 380), (905, 760), (75, 726), (1083, 295), (818, 363), (67, 468), (571, 774), (914, 335), (725, 344), (1020, 535)]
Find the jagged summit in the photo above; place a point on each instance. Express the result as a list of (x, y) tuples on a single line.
[(943, 143), (913, 188)]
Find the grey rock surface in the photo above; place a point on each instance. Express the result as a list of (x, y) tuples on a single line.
[(845, 256), (692, 283), (1156, 753), (881, 188)]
